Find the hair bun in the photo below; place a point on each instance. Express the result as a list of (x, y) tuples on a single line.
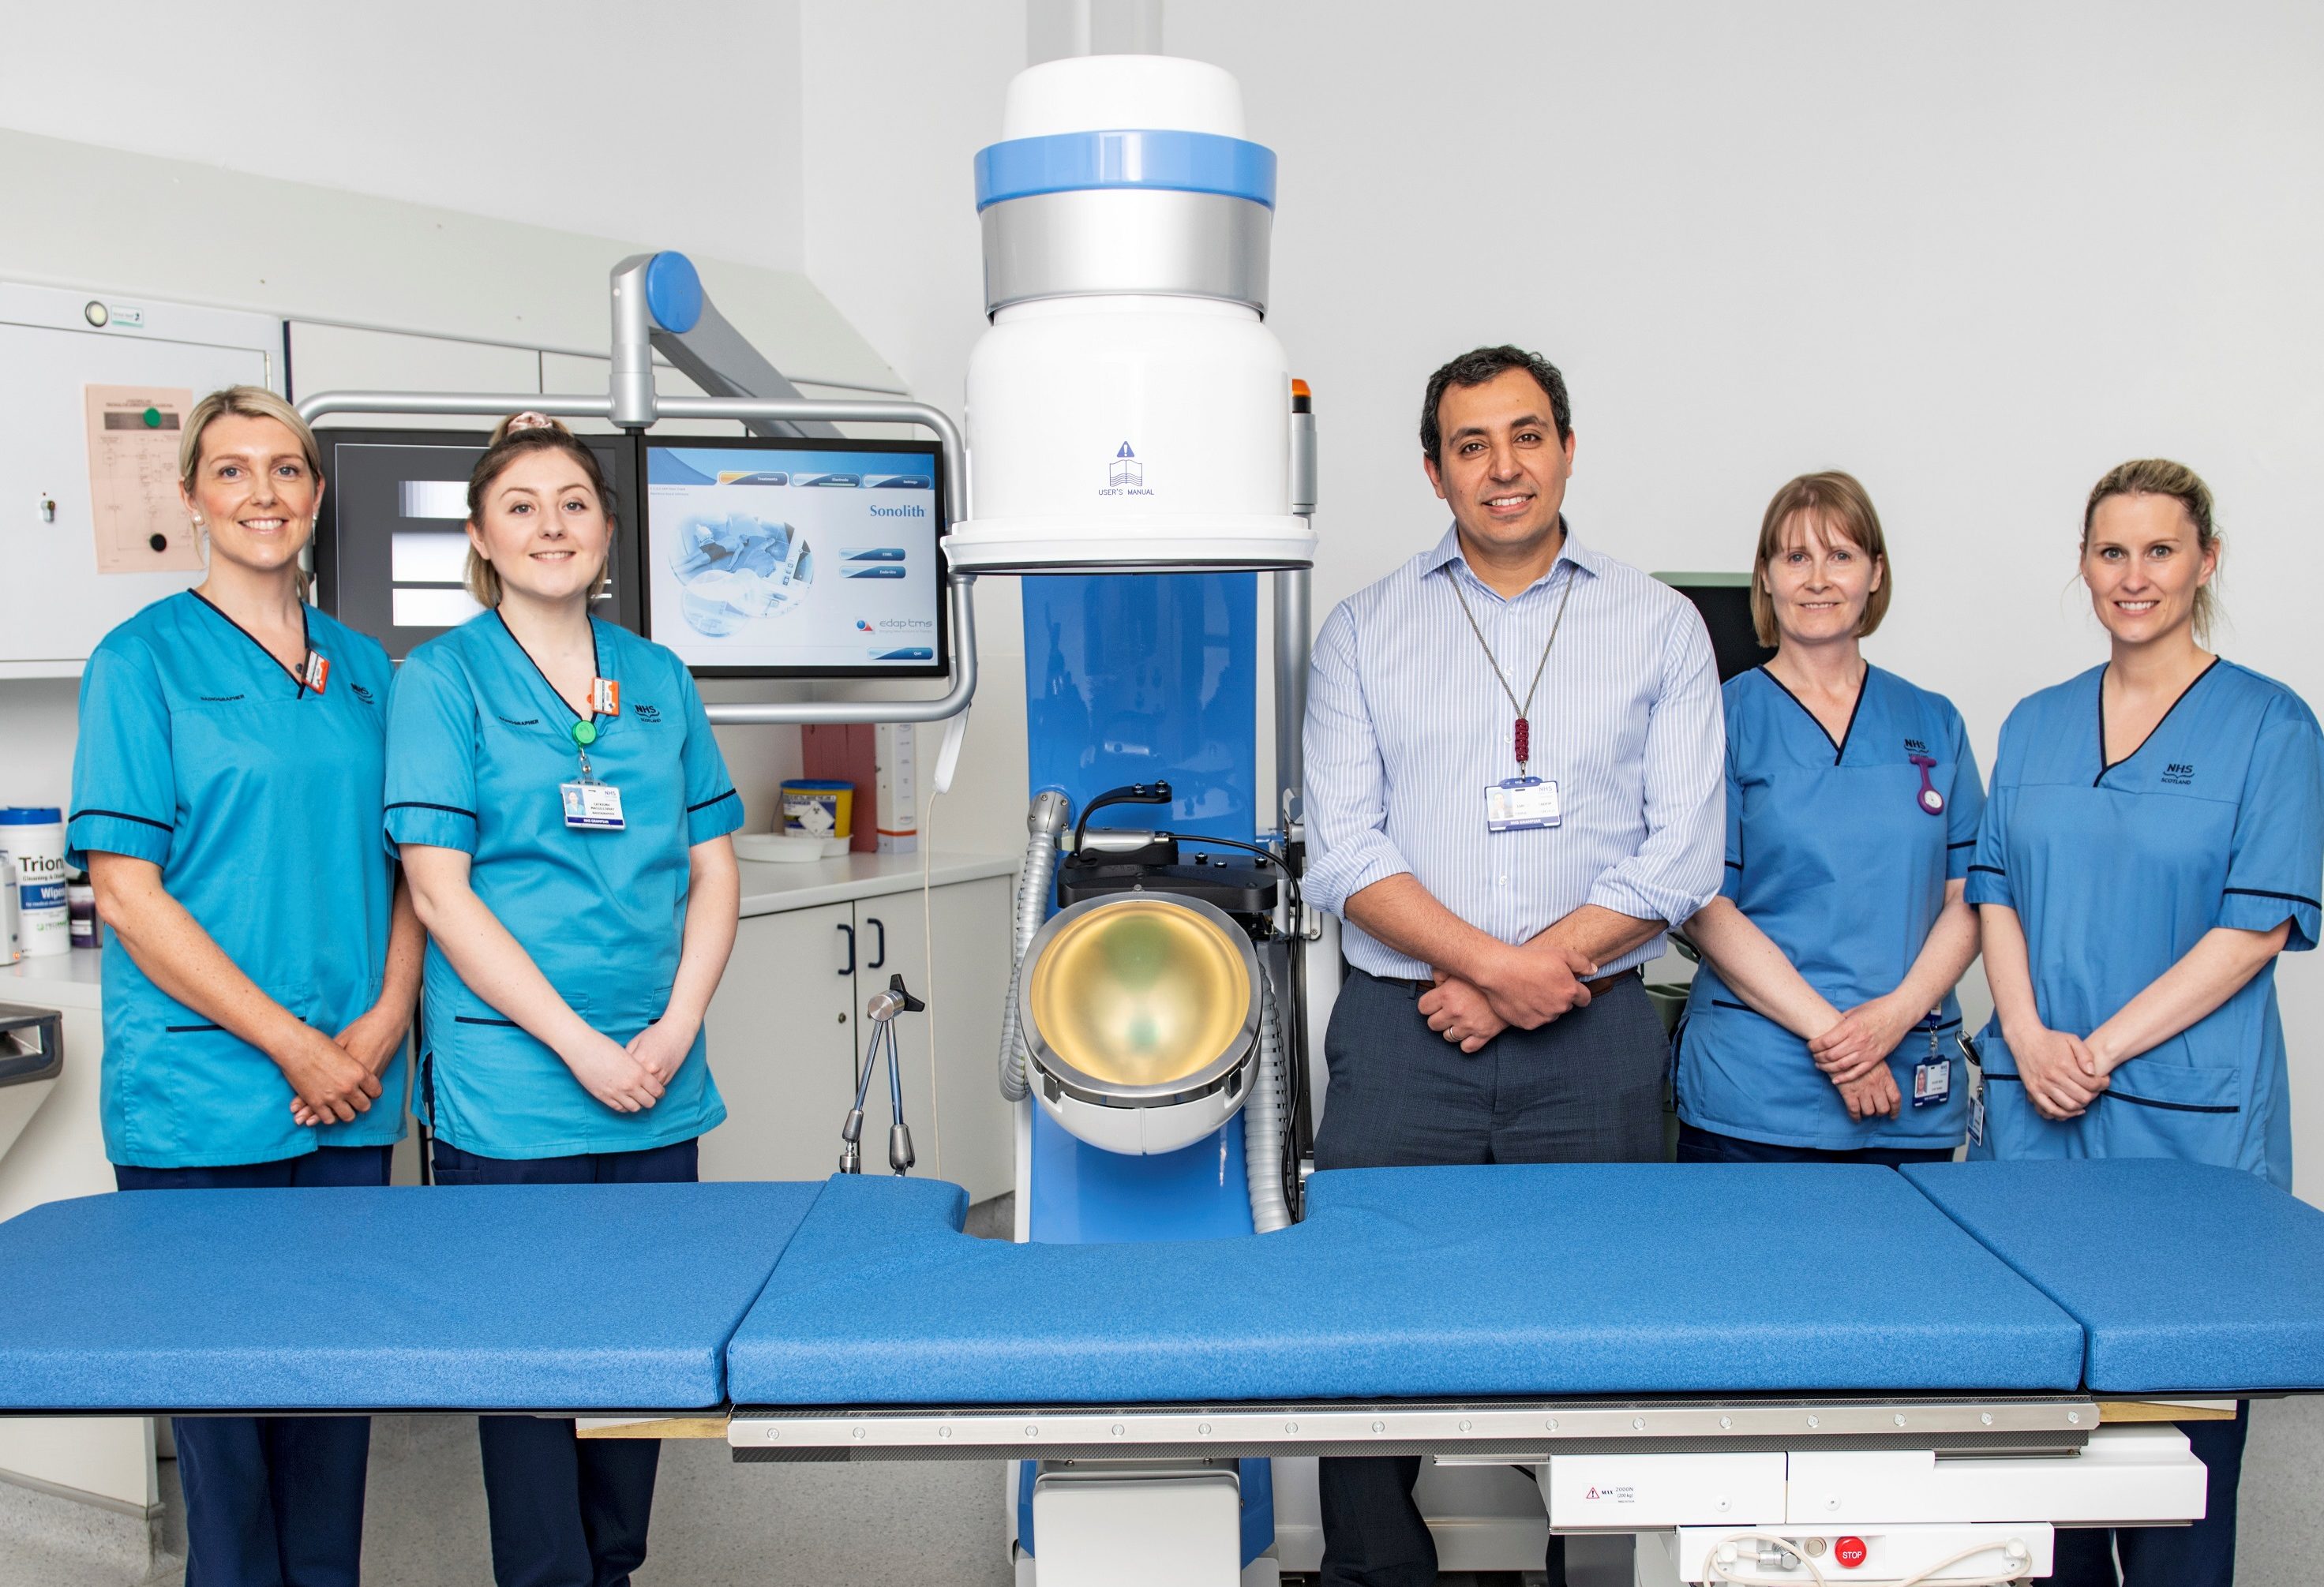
[(517, 424)]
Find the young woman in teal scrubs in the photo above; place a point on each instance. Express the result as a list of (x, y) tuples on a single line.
[(2155, 840), (261, 958), (562, 810), (1822, 1026)]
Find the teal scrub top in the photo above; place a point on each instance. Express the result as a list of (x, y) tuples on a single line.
[(2115, 870), (479, 745), (256, 796), (1831, 852)]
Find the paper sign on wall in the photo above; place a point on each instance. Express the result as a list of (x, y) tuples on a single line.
[(132, 479)]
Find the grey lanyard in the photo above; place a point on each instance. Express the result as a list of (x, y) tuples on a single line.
[(1522, 734)]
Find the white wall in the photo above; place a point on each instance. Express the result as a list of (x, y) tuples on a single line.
[(677, 124)]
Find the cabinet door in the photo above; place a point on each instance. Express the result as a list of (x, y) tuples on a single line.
[(782, 1046), (960, 1125)]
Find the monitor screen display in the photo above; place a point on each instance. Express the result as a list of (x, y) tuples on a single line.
[(391, 548), (796, 559)]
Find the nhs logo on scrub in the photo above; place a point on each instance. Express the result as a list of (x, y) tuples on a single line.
[(1125, 475)]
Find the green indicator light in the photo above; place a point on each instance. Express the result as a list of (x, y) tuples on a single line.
[(584, 733)]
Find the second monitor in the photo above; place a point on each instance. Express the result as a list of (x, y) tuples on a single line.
[(796, 559)]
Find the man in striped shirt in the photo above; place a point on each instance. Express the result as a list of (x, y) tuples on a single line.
[(1515, 783)]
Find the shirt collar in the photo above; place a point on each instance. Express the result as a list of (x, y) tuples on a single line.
[(1447, 551)]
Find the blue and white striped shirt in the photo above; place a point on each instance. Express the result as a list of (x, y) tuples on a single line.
[(1406, 728)]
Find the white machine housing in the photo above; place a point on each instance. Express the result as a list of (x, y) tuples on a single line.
[(1128, 409)]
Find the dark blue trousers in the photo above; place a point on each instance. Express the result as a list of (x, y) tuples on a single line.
[(1709, 1146), (272, 1501), (2200, 1555), (1584, 1088), (566, 1512)]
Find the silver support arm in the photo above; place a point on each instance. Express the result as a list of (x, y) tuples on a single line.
[(742, 409)]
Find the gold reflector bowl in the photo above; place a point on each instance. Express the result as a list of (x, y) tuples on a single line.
[(1140, 1001)]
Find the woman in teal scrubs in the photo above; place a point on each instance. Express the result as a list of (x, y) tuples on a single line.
[(2155, 840), (562, 810), (261, 958), (1822, 1026)]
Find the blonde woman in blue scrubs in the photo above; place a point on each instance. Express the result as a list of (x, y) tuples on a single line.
[(562, 810), (1822, 1026), (261, 958), (2154, 841)]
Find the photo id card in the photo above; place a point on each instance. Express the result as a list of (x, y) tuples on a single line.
[(1520, 803), (597, 805), (1932, 1082)]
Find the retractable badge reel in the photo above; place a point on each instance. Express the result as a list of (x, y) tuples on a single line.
[(590, 806)]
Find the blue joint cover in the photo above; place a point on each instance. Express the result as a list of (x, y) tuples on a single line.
[(673, 292), (1072, 162)]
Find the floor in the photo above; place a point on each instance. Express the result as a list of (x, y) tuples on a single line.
[(717, 1524)]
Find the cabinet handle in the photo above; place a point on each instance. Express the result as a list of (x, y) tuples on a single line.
[(879, 961), (844, 926)]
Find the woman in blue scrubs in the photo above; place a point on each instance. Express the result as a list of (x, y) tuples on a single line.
[(261, 958), (2155, 840), (1821, 1025), (563, 811)]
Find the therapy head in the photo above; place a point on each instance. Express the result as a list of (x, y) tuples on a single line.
[(1497, 440), (540, 516), (2150, 551), (250, 476)]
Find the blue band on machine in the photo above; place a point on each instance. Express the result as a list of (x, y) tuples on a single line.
[(673, 292), (1070, 163)]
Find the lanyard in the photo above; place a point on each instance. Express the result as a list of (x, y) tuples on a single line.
[(1524, 730)]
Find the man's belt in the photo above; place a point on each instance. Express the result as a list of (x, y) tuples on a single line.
[(1596, 988)]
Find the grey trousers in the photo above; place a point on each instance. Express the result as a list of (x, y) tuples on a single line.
[(1585, 1088)]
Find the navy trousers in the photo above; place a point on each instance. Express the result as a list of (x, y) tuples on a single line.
[(2200, 1555), (272, 1501), (1709, 1146), (1584, 1088), (566, 1512)]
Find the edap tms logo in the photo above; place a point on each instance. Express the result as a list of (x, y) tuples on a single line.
[(861, 627), (1125, 475)]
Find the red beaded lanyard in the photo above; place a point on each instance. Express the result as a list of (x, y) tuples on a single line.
[(1523, 735)]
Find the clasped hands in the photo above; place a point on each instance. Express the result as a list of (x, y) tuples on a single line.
[(1853, 1054), (1527, 985)]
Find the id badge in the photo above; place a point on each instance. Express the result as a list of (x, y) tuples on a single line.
[(1932, 1082), (1976, 1118), (605, 696), (591, 805), (1519, 805), (319, 670)]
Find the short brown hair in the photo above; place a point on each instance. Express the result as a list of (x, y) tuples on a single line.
[(518, 435), (1840, 503), (244, 402), (2159, 476)]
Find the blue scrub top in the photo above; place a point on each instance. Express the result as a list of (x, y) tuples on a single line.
[(256, 796), (1830, 853), (478, 747), (2116, 871)]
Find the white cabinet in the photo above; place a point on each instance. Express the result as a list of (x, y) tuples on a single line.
[(787, 1030)]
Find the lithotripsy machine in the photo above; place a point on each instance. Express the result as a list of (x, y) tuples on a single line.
[(1766, 1374)]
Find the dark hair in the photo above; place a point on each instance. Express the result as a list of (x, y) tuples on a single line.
[(519, 436), (1474, 369)]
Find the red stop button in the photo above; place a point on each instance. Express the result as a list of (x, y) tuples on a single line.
[(1849, 1552)]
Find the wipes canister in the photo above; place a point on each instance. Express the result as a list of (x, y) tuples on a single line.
[(34, 837), (12, 930)]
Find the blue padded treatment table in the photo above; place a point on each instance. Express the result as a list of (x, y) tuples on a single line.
[(2186, 1277), (1507, 1280), (519, 1297)]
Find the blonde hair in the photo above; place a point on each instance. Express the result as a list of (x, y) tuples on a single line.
[(516, 437), (2159, 476), (1840, 503), (247, 403)]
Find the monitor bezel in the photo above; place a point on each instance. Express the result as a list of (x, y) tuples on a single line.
[(931, 449), (625, 609)]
